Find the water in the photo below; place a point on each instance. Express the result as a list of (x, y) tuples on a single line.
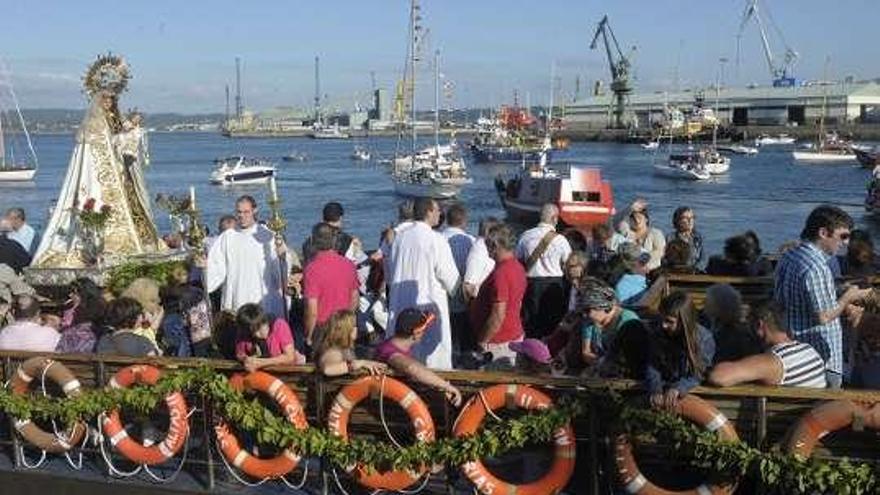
[(768, 193)]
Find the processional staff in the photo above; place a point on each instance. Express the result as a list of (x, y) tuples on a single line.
[(278, 225)]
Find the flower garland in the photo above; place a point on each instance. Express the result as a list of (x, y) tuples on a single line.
[(702, 449)]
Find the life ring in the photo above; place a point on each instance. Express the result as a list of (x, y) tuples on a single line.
[(178, 428), (35, 368), (521, 397), (259, 381), (822, 420), (351, 395), (696, 410)]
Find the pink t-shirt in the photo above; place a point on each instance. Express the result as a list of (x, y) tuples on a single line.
[(279, 338), (387, 349), (330, 278)]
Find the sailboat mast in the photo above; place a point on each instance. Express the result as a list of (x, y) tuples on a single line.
[(27, 134), (437, 101), (414, 30), (2, 143), (318, 119)]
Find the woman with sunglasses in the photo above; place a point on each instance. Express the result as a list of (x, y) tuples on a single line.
[(397, 352)]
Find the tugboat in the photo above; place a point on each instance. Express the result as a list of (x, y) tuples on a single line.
[(583, 197), (241, 170)]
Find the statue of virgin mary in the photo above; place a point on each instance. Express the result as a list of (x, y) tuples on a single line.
[(105, 169)]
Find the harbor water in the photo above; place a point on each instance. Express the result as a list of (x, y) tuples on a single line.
[(768, 193)]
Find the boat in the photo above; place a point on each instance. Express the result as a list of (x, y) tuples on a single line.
[(361, 154), (706, 159), (872, 197), (830, 148), (768, 140), (438, 171), (650, 145), (242, 170), (868, 158), (738, 149), (503, 154), (320, 131), (295, 156), (681, 170), (15, 165), (583, 197), (508, 139)]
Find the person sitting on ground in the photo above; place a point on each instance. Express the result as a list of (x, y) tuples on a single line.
[(532, 357), (649, 239), (630, 286), (124, 316), (396, 352), (81, 322), (723, 310), (146, 292), (738, 259), (684, 221), (334, 352), (786, 362), (28, 333), (612, 337), (680, 352), (262, 340)]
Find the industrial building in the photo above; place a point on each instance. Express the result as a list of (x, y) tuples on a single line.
[(797, 105)]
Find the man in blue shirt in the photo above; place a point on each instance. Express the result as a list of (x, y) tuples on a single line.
[(804, 286)]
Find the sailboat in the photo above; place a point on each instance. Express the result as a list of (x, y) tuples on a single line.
[(438, 171), (14, 168), (706, 158), (829, 147)]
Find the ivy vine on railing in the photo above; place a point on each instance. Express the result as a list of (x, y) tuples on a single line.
[(701, 448)]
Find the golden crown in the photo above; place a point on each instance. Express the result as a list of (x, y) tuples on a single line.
[(109, 73)]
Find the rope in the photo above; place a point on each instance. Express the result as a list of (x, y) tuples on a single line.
[(111, 469), (382, 413), (301, 483), (488, 409), (62, 435), (234, 474), (24, 461), (179, 468)]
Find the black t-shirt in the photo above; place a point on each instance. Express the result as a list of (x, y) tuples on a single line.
[(343, 241), (125, 343), (12, 254)]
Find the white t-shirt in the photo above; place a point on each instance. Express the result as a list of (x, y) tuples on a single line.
[(551, 261)]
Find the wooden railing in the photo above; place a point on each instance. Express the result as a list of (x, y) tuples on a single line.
[(762, 415)]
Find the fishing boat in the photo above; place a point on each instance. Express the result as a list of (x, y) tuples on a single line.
[(768, 140), (438, 171), (868, 158), (320, 131), (830, 148), (360, 154), (16, 165), (508, 139), (241, 170), (738, 149)]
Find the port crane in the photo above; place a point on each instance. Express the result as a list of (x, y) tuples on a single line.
[(780, 72), (620, 71)]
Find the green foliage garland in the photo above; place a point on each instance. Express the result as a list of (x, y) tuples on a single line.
[(121, 276), (703, 449)]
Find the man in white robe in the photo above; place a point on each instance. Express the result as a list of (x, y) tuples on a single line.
[(246, 263), (423, 274)]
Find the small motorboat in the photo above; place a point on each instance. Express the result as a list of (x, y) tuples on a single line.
[(738, 149), (682, 171), (869, 158), (241, 170), (650, 145), (767, 140), (328, 132), (707, 160), (360, 154), (295, 156)]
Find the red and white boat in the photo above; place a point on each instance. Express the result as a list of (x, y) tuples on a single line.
[(583, 197)]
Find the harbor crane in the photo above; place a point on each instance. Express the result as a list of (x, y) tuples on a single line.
[(620, 71), (780, 72)]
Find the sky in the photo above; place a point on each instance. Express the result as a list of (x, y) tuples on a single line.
[(182, 53)]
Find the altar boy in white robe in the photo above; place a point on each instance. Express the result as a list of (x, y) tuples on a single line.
[(247, 264), (423, 275)]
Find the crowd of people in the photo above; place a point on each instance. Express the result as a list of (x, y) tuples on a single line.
[(434, 297)]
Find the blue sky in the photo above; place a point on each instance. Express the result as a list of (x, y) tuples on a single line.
[(182, 52)]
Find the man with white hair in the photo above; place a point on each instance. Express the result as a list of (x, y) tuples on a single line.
[(543, 253)]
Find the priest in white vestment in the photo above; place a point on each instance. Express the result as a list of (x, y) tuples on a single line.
[(245, 262), (423, 275)]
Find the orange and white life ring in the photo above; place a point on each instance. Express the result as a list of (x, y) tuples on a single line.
[(259, 381), (351, 395), (696, 410), (36, 367), (178, 428), (822, 420), (520, 397)]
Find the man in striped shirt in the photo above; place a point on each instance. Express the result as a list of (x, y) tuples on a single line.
[(785, 362), (804, 287)]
